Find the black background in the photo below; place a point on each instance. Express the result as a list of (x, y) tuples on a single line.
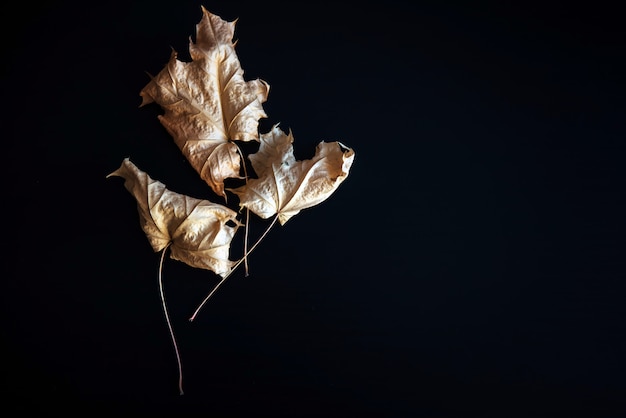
[(472, 264)]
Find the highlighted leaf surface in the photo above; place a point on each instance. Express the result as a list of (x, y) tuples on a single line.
[(285, 186), (197, 229), (208, 103)]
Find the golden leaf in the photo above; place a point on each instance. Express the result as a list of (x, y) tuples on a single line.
[(285, 186), (197, 231), (207, 103)]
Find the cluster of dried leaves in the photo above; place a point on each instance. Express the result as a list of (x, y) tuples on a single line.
[(209, 107)]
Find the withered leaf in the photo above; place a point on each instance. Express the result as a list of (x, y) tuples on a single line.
[(207, 103), (285, 186), (199, 232)]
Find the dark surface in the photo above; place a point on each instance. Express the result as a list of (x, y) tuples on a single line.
[(472, 264)]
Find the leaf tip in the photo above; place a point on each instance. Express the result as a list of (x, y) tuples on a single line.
[(120, 171)]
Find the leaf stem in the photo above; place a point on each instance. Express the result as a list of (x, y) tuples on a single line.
[(217, 286), (169, 324), (245, 240), (245, 236)]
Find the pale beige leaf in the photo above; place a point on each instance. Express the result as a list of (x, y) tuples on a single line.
[(285, 186), (207, 102), (199, 231)]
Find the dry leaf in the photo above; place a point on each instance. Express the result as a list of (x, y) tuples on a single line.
[(207, 102), (285, 186), (197, 231)]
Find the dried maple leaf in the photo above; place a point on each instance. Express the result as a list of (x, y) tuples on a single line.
[(207, 105), (207, 102), (285, 186), (197, 231)]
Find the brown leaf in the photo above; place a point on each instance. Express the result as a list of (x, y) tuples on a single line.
[(197, 229), (207, 102), (285, 186)]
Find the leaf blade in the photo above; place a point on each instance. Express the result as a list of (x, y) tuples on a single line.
[(197, 229), (286, 186), (209, 101)]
